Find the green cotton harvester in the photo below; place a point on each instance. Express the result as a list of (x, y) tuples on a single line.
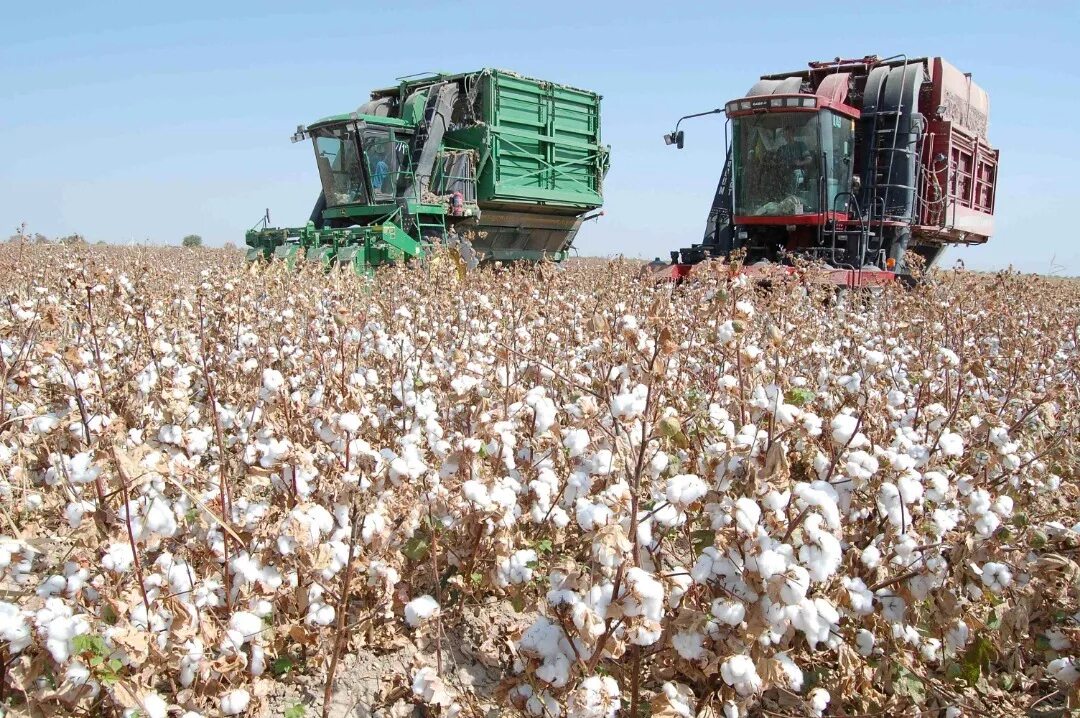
[(501, 166)]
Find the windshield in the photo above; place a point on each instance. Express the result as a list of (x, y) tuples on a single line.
[(777, 169), (778, 163), (339, 166)]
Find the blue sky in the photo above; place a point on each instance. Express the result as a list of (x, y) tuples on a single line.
[(127, 121)]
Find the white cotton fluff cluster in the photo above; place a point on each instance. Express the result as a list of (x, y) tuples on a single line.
[(430, 688), (819, 700), (420, 609), (680, 699), (272, 381), (845, 431), (243, 627), (644, 598), (235, 702), (576, 442), (739, 672), (595, 697), (684, 489), (547, 642), (349, 422), (517, 568), (1063, 670), (154, 705), (58, 625), (14, 628), (996, 576), (630, 405)]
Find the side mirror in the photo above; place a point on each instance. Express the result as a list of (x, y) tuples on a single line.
[(674, 138)]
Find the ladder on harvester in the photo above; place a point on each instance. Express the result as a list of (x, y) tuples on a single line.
[(885, 135)]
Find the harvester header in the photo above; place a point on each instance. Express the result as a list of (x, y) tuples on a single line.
[(503, 166)]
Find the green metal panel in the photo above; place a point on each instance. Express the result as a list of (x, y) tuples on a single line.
[(545, 142)]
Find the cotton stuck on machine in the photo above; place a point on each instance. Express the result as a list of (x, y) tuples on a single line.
[(502, 166), (851, 163)]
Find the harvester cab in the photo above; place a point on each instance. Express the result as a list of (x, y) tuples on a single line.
[(500, 166), (851, 163)]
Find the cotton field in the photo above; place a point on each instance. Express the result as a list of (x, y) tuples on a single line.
[(224, 484)]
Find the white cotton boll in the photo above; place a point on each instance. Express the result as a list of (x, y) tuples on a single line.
[(44, 424), (951, 444), (996, 576), (591, 516), (859, 596), (744, 308), (81, 469), (796, 584), (957, 636), (601, 463), (689, 644), (118, 558), (171, 434), (938, 486), (631, 405), (155, 706), (160, 517), (727, 611), (51, 586), (235, 702), (1063, 670), (822, 496), (272, 381), (668, 515), (246, 625), (646, 595), (1058, 640), (843, 428), (682, 581), (75, 511), (477, 494), (14, 629), (349, 423), (1003, 506), (684, 489), (811, 423), (680, 700), (771, 563), (420, 609), (864, 642), (747, 514), (320, 614), (516, 569), (930, 649), (739, 673), (871, 557), (462, 384), (819, 700), (658, 463), (576, 442)]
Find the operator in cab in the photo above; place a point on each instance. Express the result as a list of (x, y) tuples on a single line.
[(794, 151)]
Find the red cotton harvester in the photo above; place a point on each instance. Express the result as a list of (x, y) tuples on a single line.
[(851, 163)]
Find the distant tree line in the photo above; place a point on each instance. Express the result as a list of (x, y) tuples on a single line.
[(23, 235)]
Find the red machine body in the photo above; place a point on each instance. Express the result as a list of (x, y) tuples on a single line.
[(853, 163)]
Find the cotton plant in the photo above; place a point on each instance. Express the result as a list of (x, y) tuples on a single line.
[(716, 489)]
